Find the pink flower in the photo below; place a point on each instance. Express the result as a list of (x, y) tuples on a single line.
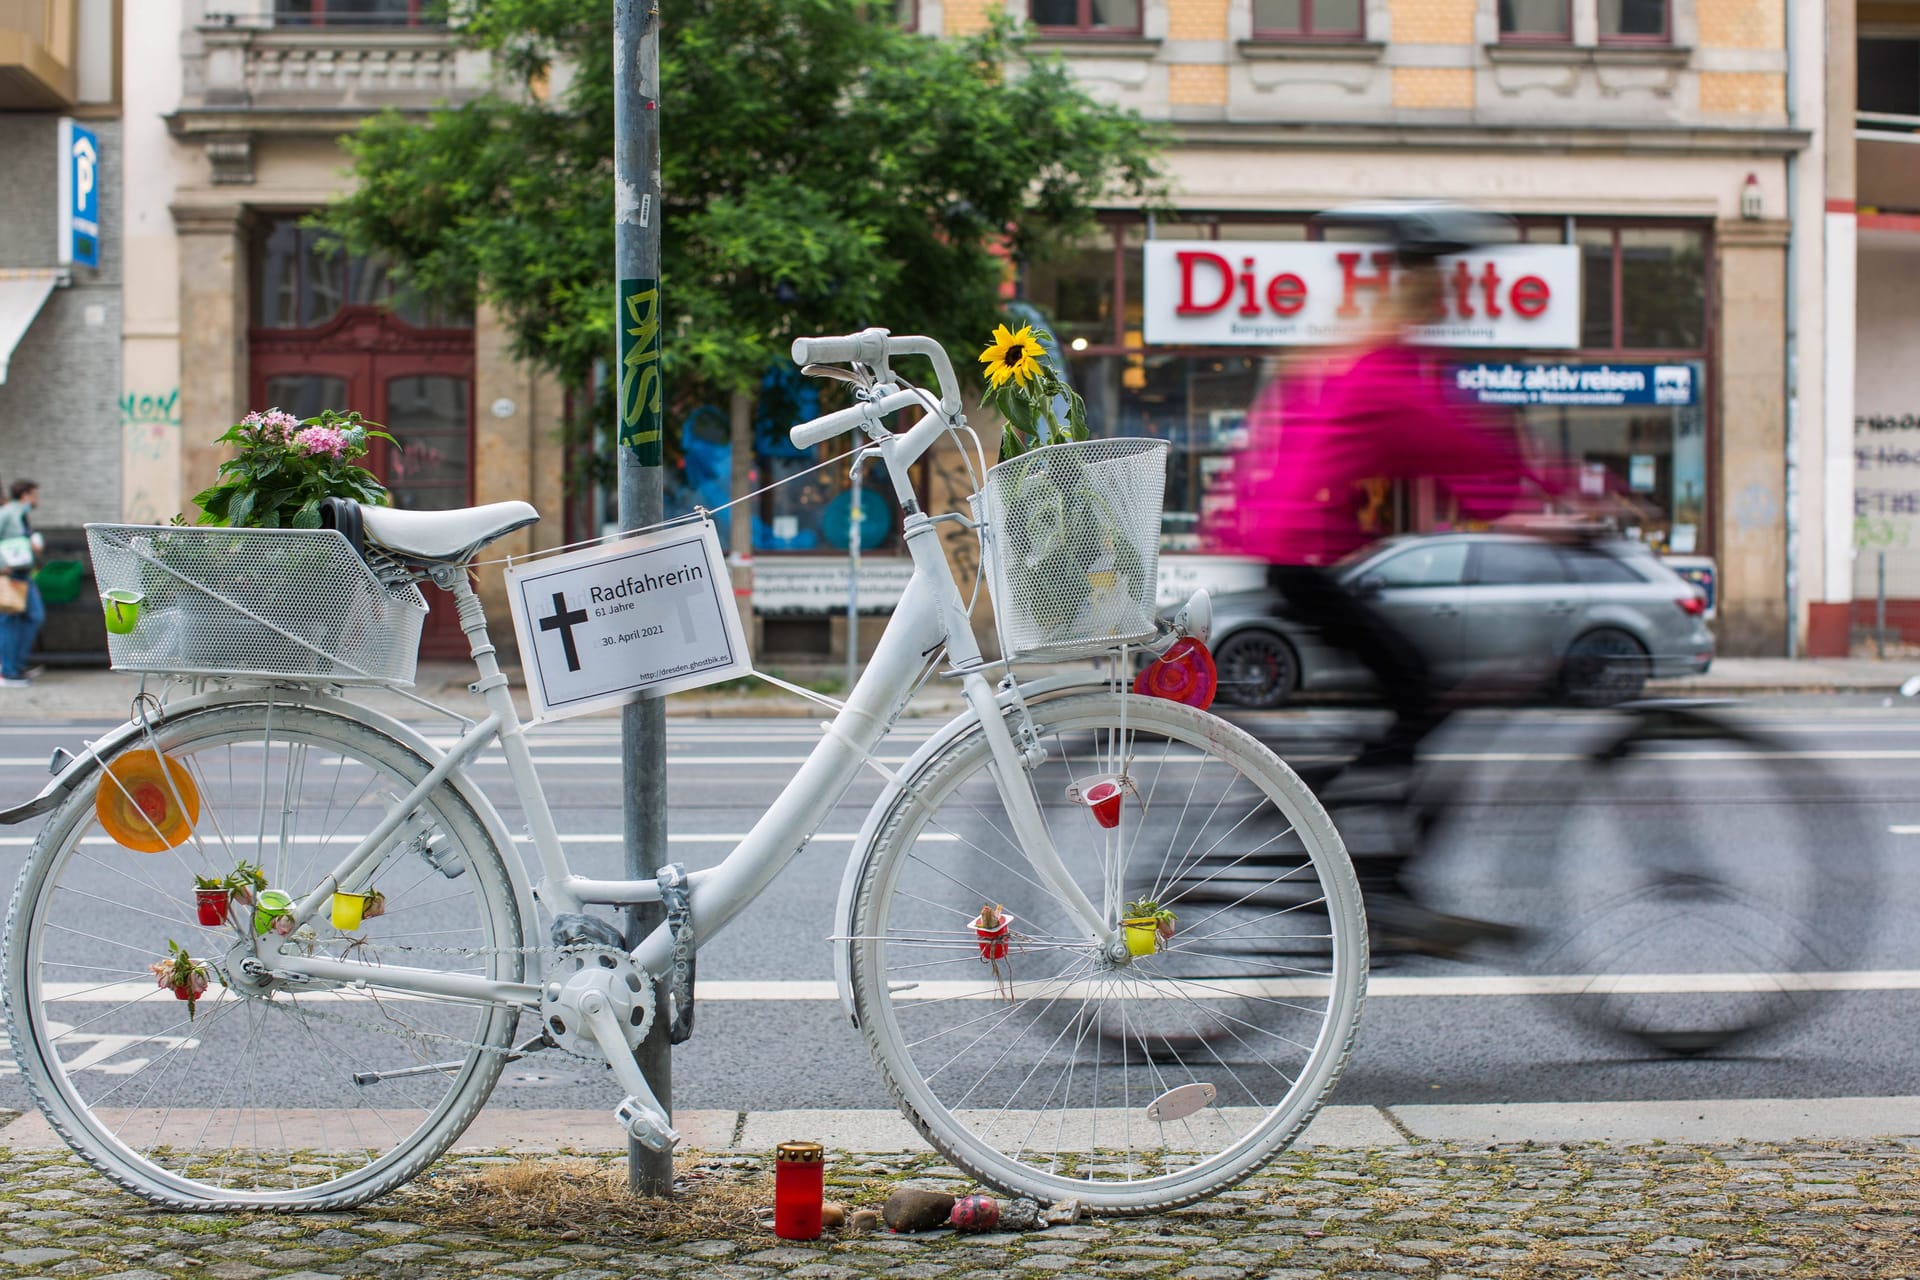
[(323, 440), (274, 424)]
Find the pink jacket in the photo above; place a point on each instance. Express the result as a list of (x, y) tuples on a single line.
[(1298, 492)]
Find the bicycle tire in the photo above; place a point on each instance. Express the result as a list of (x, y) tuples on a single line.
[(1682, 882), (905, 909), (278, 1120)]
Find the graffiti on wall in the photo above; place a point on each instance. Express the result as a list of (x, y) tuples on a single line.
[(150, 455)]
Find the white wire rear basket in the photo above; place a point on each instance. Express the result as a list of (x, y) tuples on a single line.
[(1070, 541), (257, 602)]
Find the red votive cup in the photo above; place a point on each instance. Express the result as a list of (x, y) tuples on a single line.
[(799, 1186)]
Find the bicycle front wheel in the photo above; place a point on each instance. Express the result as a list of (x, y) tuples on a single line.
[(1040, 1063), (255, 1094)]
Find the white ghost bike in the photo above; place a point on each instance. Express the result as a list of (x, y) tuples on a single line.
[(1043, 1047)]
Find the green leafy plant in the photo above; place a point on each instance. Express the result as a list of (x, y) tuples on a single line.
[(1150, 909), (243, 882), (1024, 385), (209, 882), (284, 466)]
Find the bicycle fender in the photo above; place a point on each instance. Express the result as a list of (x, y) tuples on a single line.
[(862, 854)]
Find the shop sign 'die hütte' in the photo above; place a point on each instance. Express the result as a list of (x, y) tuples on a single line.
[(1251, 293)]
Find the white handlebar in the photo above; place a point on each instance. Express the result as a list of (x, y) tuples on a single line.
[(808, 434), (876, 347)]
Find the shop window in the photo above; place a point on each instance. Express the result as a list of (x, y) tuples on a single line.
[(1596, 285), (1663, 304), (1196, 403), (356, 13), (1656, 453), (1633, 22), (1074, 291), (1536, 20), (1889, 73), (1307, 20), (303, 276), (1090, 17)]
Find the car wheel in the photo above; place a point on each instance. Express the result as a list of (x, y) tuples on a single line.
[(1604, 667), (1257, 669)]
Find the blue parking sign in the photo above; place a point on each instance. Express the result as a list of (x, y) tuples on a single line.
[(79, 195)]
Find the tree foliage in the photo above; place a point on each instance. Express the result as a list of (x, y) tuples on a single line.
[(822, 171)]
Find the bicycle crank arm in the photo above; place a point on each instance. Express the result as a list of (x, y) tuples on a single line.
[(364, 1078), (644, 1119)]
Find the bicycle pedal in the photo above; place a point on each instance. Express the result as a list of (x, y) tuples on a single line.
[(646, 1124)]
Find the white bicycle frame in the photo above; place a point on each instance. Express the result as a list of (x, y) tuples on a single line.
[(931, 615)]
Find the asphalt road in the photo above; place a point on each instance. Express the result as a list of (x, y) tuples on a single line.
[(1843, 798)]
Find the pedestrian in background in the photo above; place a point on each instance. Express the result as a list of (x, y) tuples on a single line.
[(19, 546)]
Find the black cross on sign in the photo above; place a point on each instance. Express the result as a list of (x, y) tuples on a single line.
[(564, 620)]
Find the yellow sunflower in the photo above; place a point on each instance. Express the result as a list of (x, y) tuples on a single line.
[(1012, 355)]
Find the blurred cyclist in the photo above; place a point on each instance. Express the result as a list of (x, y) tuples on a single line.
[(1308, 488)]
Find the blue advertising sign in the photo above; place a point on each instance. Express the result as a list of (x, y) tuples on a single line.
[(1574, 384), (79, 195)]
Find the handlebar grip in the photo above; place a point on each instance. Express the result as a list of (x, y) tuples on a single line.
[(808, 434), (869, 346)]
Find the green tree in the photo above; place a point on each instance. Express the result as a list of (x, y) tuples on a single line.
[(822, 170)]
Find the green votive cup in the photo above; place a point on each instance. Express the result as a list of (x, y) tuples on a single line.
[(272, 905), (122, 610)]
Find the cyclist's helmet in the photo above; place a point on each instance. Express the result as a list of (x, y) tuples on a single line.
[(1422, 230)]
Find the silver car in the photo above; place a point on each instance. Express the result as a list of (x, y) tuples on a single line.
[(1592, 621)]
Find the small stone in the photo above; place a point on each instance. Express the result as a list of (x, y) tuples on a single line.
[(833, 1215), (861, 1221), (1022, 1214), (1063, 1213), (917, 1209)]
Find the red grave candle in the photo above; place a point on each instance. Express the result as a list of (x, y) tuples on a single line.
[(799, 1185)]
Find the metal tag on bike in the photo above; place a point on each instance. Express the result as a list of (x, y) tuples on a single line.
[(638, 618)]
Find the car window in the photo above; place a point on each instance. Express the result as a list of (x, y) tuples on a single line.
[(1435, 564), (1518, 564), (1596, 567)]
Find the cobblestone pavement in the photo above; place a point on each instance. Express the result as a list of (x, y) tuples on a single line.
[(1806, 1209)]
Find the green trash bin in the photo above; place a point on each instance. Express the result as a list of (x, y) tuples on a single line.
[(60, 581)]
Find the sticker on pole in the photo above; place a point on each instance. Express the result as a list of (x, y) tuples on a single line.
[(638, 618)]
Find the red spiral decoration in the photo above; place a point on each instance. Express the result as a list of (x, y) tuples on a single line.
[(1185, 675)]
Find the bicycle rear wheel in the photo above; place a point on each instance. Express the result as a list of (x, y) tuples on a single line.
[(1706, 880), (257, 1095), (1042, 1065)]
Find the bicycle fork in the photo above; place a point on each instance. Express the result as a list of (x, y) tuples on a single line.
[(1011, 767)]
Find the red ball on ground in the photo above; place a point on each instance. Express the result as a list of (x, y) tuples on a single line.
[(975, 1213)]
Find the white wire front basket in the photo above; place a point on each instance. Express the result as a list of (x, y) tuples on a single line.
[(1070, 540), (253, 602)]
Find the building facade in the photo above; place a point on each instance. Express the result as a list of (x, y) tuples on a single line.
[(1669, 157), (60, 277)]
